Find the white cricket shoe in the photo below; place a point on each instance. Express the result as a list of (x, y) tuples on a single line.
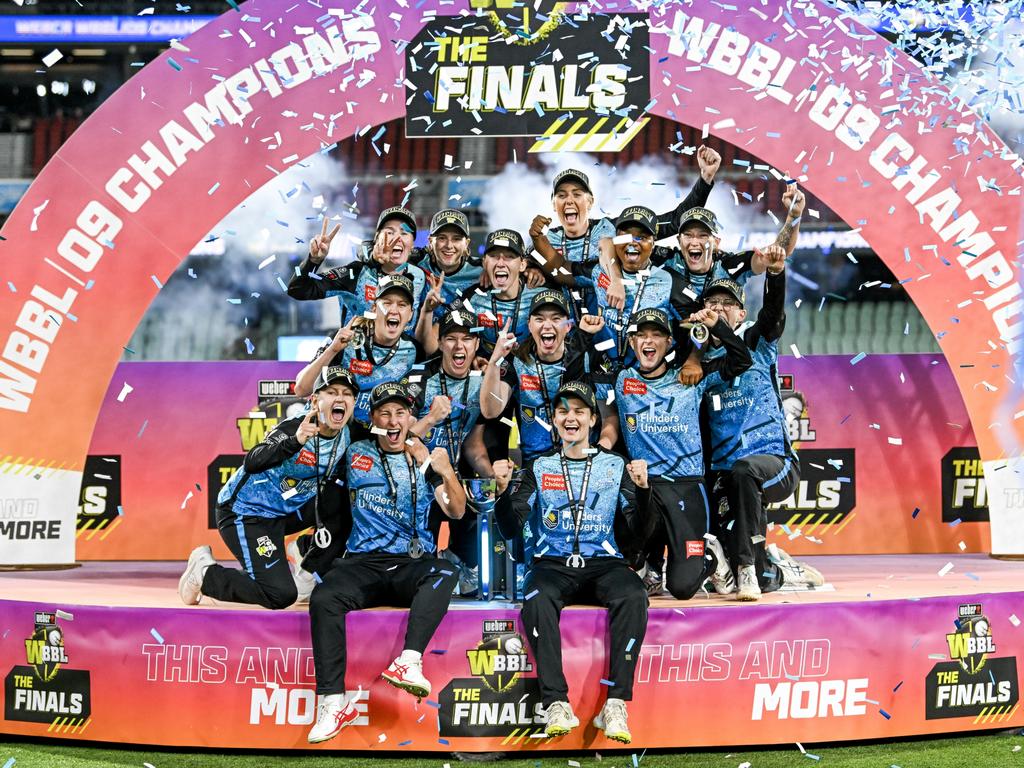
[(406, 672), (722, 579), (560, 719), (333, 714), (749, 589), (190, 585), (612, 720)]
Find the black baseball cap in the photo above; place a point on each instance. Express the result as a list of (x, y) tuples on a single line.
[(457, 319), (396, 282), (397, 212), (638, 214), (335, 374), (701, 216), (571, 174), (449, 217), (650, 316), (724, 285), (390, 391), (550, 298), (581, 391), (505, 238)]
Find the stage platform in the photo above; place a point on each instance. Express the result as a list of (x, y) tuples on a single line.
[(891, 646)]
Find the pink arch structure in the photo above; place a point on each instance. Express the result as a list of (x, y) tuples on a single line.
[(932, 189)]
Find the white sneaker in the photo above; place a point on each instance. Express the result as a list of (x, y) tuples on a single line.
[(333, 714), (722, 579), (406, 672), (749, 589), (190, 585), (794, 572), (560, 719), (612, 720), (304, 580)]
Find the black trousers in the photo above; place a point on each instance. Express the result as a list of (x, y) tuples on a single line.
[(607, 581), (751, 484), (682, 508), (258, 544), (424, 585)]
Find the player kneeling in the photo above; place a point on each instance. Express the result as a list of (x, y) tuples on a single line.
[(589, 504)]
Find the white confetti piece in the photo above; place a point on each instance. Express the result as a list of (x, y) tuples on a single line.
[(945, 569), (52, 57), (796, 352), (125, 391), (71, 617), (186, 499), (895, 441), (963, 546), (1014, 620)]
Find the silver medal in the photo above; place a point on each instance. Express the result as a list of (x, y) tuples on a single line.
[(322, 538), (575, 560), (416, 549), (699, 334)]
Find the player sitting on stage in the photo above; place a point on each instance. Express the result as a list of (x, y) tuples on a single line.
[(267, 499), (584, 507), (374, 351), (390, 556), (752, 461), (660, 419), (355, 284)]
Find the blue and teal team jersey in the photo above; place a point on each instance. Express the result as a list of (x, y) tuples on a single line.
[(745, 413), (355, 286), (456, 284), (735, 266), (586, 248), (660, 422), (543, 501), (651, 288), (431, 381), (384, 517), (492, 314), (279, 475), (373, 364)]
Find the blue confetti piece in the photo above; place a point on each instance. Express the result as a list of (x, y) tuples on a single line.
[(316, 578), (249, 346), (954, 523), (213, 188), (916, 512), (609, 683), (885, 714), (143, 428), (532, 594), (9, 763), (898, 686), (120, 510), (433, 704), (234, 5), (156, 636), (173, 63), (405, 743), (813, 757), (159, 285), (13, 290), (629, 645), (859, 356), (443, 741)]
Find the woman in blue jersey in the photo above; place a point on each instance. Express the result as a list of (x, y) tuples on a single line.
[(394, 485), (553, 353), (355, 284), (269, 498), (382, 354), (585, 506), (659, 417), (447, 257)]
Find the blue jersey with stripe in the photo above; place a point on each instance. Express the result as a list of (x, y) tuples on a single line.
[(465, 395), (745, 413), (660, 422), (383, 517), (369, 372), (648, 289), (492, 313), (735, 266), (535, 411), (457, 283), (551, 516), (290, 477)]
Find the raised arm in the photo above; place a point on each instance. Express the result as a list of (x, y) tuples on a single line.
[(302, 286), (495, 393), (283, 442), (306, 379)]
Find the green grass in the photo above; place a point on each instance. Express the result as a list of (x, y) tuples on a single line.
[(993, 750)]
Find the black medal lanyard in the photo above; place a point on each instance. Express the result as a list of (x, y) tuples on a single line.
[(576, 506), (461, 421), (416, 548), (322, 536), (368, 349), (515, 312), (623, 332), (583, 260), (549, 407)]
